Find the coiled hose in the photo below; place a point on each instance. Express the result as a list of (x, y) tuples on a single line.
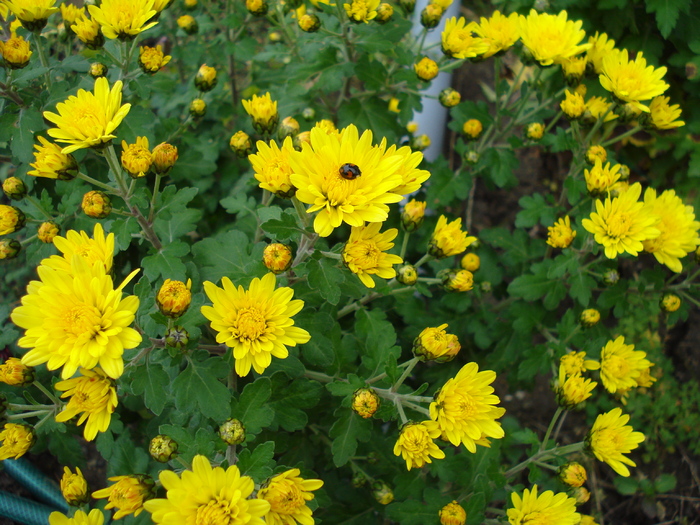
[(25, 511)]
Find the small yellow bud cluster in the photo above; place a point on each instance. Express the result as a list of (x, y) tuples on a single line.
[(241, 144), (365, 402), (670, 302), (98, 70), (232, 432), (14, 188), (188, 24), (198, 108), (472, 129), (407, 274), (163, 448), (15, 52), (453, 514), (11, 219), (74, 487), (413, 215), (47, 231), (277, 258), (174, 298), (309, 23), (450, 97), (96, 204), (534, 131), (256, 7), (459, 280), (589, 317), (426, 69), (205, 80)]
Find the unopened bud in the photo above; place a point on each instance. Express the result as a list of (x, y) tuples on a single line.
[(205, 79), (420, 142), (430, 16), (471, 157), (456, 280), (472, 129), (611, 277), (277, 257), (413, 215), (241, 144), (670, 302), (163, 448), (174, 298), (382, 492), (177, 337), (198, 108), (365, 402), (96, 204), (384, 13), (426, 68), (309, 23), (572, 474), (232, 432), (98, 70), (188, 24), (14, 373), (453, 514), (164, 158), (534, 131), (47, 231), (14, 188), (450, 97), (471, 262), (256, 7), (9, 248), (407, 274), (308, 114), (589, 317), (287, 128)]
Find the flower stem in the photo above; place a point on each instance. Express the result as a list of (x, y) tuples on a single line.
[(426, 258), (26, 415), (156, 189), (409, 368), (47, 393), (404, 244), (550, 428), (622, 136), (97, 183), (543, 455), (42, 57), (39, 207)]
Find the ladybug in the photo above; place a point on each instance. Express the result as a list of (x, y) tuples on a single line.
[(349, 171)]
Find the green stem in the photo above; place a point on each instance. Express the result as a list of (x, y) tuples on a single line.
[(301, 211), (26, 415), (399, 408), (321, 377), (543, 455), (409, 368), (39, 207), (110, 189), (550, 428), (37, 408), (404, 244), (42, 57), (47, 392), (427, 257), (156, 189), (622, 136)]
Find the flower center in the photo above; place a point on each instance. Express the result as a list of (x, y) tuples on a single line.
[(90, 395), (365, 254), (618, 226), (217, 512), (359, 10), (82, 321), (617, 367), (285, 498), (250, 324)]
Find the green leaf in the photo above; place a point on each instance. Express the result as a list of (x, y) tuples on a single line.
[(199, 389), (167, 262), (151, 381), (665, 483), (259, 463), (530, 287), (123, 228), (284, 228), (581, 287), (534, 211), (412, 512), (30, 121), (251, 408), (499, 165), (289, 400), (667, 13), (326, 277), (372, 114), (138, 123), (348, 429), (240, 203), (228, 254), (378, 336)]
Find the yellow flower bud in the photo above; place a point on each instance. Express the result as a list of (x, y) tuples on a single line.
[(394, 105), (136, 158), (420, 143), (188, 24), (535, 131), (670, 302), (572, 474), (263, 111), (14, 373), (288, 128), (453, 514), (277, 258), (407, 274), (232, 432), (560, 235), (88, 32), (596, 152), (15, 52), (96, 204), (456, 280), (472, 128), (412, 215), (382, 492), (426, 69), (163, 448), (412, 127), (11, 219), (152, 59), (434, 344), (275, 36), (580, 494), (205, 80), (471, 262), (164, 157), (256, 7), (573, 105), (241, 144), (308, 114), (301, 138), (47, 231), (384, 13), (190, 4), (9, 248), (450, 97), (309, 23), (16, 440), (431, 15), (177, 337), (365, 402), (198, 108), (14, 188), (74, 487), (174, 298), (408, 5), (573, 69), (589, 317), (97, 70)]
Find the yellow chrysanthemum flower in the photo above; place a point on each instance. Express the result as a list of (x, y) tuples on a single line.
[(361, 10), (124, 19), (11, 219), (560, 235), (93, 395), (575, 363), (263, 111), (88, 32), (600, 179), (89, 119), (14, 373), (544, 509), (632, 81), (287, 494), (272, 167), (15, 440), (74, 487), (662, 115), (127, 494), (207, 495), (678, 227), (552, 38), (70, 13), (434, 343), (15, 52), (257, 323), (152, 59), (448, 239), (365, 253), (80, 518), (621, 224), (601, 46), (32, 13), (412, 178), (77, 319), (573, 105), (597, 108), (136, 158), (461, 39), (572, 390), (499, 31), (50, 162), (464, 407), (415, 444), (621, 365), (610, 438), (452, 514), (345, 178)]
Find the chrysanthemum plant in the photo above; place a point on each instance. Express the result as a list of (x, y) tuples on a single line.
[(229, 268)]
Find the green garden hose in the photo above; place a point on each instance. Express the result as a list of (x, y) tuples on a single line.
[(36, 482), (22, 510)]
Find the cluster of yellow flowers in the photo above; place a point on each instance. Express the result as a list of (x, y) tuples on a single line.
[(203, 494)]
